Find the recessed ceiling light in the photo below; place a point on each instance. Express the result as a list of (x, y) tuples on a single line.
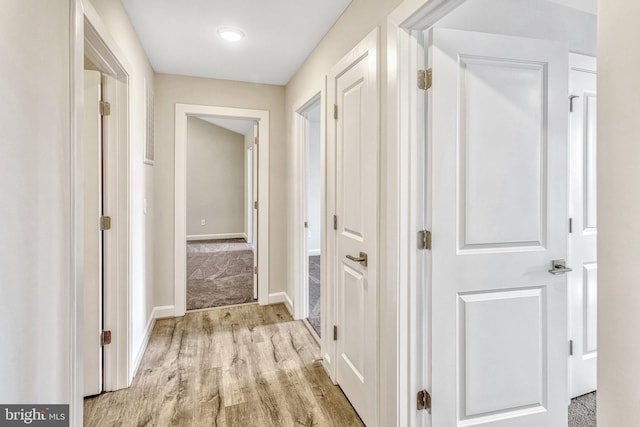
[(230, 34)]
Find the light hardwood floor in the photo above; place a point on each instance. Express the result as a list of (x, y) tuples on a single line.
[(238, 366)]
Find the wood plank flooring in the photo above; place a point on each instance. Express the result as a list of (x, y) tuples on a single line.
[(238, 366)]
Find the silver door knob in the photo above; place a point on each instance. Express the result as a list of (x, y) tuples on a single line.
[(558, 267), (362, 259)]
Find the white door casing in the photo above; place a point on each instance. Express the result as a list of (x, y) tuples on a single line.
[(92, 152), (353, 86), (497, 134), (261, 176), (582, 282)]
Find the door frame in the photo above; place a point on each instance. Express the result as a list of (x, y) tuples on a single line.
[(405, 187), (301, 297), (90, 36), (182, 111)]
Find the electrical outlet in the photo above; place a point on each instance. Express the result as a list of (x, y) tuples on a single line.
[(203, 222)]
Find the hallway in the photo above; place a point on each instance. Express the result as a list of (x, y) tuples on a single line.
[(240, 366)]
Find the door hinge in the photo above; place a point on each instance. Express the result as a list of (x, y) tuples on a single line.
[(571, 98), (424, 239), (255, 205), (424, 401), (570, 347), (335, 333), (105, 223), (306, 224), (425, 79), (335, 222), (105, 338), (256, 140), (570, 225), (255, 269), (105, 108), (335, 111)]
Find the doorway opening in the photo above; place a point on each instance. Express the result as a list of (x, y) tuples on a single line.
[(498, 67), (221, 255), (221, 245), (104, 167), (311, 211)]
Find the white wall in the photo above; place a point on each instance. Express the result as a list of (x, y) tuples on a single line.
[(215, 179), (618, 213), (526, 18), (36, 189), (314, 207), (140, 175), (172, 89)]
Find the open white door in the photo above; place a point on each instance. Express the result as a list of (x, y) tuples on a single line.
[(583, 290), (498, 143), (254, 221), (92, 149), (353, 87)]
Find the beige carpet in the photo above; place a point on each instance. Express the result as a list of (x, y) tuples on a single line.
[(582, 411), (219, 273)]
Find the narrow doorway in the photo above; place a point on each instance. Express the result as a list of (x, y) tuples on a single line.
[(221, 242), (313, 210), (93, 162)]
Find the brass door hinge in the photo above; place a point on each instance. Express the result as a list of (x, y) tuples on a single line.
[(255, 269), (335, 222), (425, 79), (105, 108), (105, 338), (105, 223), (335, 111), (335, 333), (424, 239), (255, 205), (424, 401)]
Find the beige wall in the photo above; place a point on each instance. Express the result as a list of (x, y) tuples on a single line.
[(215, 179), (171, 89), (140, 175), (249, 139), (36, 188), (618, 213)]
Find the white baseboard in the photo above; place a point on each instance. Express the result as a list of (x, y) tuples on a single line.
[(280, 297), (194, 237), (313, 252), (164, 311), (161, 312)]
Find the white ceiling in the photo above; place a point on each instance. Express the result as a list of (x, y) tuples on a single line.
[(240, 126), (180, 37), (589, 6)]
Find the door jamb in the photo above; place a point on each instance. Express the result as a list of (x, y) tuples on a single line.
[(90, 36), (182, 111), (402, 186), (301, 297)]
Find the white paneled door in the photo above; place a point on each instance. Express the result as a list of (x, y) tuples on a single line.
[(353, 87), (498, 143), (583, 237), (93, 272)]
